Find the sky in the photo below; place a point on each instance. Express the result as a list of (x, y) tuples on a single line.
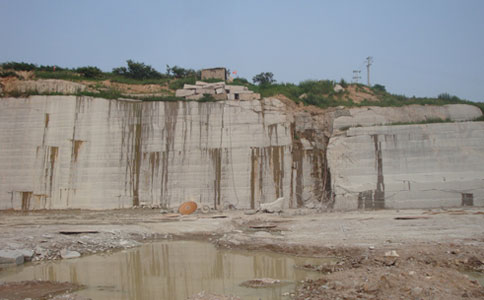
[(419, 48)]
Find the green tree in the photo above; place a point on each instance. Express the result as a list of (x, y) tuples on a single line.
[(379, 88), (264, 78), (90, 72), (179, 72), (137, 70)]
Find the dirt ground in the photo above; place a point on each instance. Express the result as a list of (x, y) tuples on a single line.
[(388, 254), (37, 289)]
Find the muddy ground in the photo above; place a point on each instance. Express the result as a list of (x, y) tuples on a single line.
[(406, 254)]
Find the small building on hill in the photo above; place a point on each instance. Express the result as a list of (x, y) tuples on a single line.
[(214, 73)]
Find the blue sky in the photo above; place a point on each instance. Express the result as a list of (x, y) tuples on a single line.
[(420, 48)]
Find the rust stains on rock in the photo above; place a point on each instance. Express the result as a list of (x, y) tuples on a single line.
[(26, 196), (215, 156)]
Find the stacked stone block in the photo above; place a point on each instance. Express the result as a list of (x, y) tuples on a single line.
[(218, 90)]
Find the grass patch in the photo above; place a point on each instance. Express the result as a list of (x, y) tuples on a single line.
[(126, 80), (428, 121), (159, 98), (106, 94), (9, 74), (62, 75), (207, 98), (179, 83)]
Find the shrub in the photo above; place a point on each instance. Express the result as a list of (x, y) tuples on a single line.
[(18, 66), (90, 72), (178, 83), (379, 88), (240, 81), (322, 87), (51, 68), (207, 98), (264, 78), (137, 70), (448, 97), (179, 72), (9, 74), (343, 83)]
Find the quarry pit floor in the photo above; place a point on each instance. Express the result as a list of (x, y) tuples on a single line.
[(385, 254)]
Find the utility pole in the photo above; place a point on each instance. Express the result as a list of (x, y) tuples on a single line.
[(356, 75), (369, 61)]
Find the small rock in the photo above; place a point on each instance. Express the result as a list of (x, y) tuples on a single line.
[(392, 253), (27, 253), (273, 207), (416, 291), (13, 246), (338, 88), (124, 243), (260, 282), (11, 257), (66, 254), (371, 247), (262, 234), (411, 273)]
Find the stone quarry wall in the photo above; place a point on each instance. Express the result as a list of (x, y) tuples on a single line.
[(82, 152), (408, 166)]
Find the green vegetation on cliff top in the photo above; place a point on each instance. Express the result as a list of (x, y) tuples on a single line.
[(320, 93)]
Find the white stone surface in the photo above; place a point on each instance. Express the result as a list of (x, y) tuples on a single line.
[(80, 152), (47, 86), (67, 254), (374, 115), (273, 207), (11, 257), (422, 165), (184, 93), (83, 152), (235, 88), (338, 88)]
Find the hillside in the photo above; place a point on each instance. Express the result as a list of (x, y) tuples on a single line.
[(21, 79)]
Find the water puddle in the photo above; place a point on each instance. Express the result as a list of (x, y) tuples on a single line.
[(172, 270), (479, 277)]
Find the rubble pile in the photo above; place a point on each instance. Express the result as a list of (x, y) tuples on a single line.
[(218, 90)]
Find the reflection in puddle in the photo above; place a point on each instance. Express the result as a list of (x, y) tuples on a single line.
[(479, 277), (171, 270)]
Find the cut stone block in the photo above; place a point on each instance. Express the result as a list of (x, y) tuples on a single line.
[(27, 253), (184, 93), (190, 86), (11, 257), (235, 88), (249, 96), (206, 91), (215, 85), (220, 91), (66, 254), (194, 97), (220, 97)]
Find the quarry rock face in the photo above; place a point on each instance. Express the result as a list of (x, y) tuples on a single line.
[(45, 86), (81, 152), (408, 166), (374, 115)]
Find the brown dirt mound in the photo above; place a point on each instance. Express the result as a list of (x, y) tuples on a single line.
[(35, 289), (358, 93)]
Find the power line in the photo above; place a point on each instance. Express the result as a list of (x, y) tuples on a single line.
[(369, 61), (356, 75)]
